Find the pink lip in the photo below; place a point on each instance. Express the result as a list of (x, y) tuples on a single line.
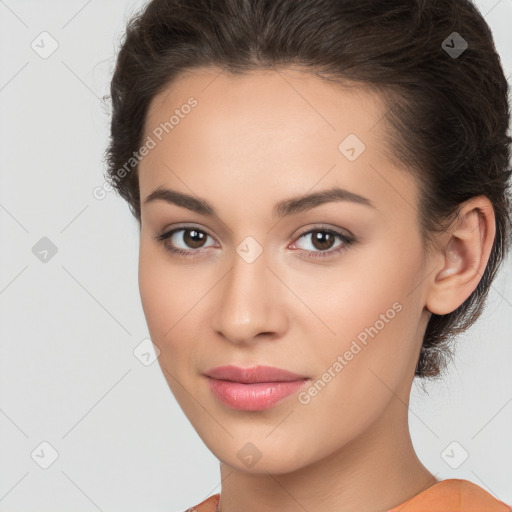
[(253, 389)]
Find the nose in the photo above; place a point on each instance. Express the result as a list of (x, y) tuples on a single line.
[(249, 302)]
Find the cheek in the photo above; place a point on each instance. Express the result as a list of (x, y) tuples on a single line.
[(175, 304), (165, 307), (370, 314), (162, 291)]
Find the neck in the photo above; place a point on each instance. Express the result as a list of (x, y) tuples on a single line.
[(373, 473)]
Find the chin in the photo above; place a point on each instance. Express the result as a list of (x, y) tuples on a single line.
[(260, 458)]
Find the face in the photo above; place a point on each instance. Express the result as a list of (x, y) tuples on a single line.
[(329, 289)]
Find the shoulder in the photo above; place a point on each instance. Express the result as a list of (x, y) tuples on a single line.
[(208, 505), (451, 495), (454, 495)]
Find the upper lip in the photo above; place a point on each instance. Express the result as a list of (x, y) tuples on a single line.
[(253, 374)]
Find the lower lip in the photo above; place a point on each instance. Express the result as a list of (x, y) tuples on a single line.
[(253, 397)]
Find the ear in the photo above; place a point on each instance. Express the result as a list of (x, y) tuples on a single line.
[(462, 256)]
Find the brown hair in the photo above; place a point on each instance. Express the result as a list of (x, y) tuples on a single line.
[(447, 108)]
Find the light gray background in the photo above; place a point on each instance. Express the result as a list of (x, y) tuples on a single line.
[(69, 326)]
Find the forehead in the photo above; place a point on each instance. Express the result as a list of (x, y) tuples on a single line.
[(284, 114), (273, 96), (286, 129)]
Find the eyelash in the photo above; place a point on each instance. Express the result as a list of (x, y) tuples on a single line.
[(347, 242)]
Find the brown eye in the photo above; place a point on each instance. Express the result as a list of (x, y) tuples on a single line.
[(323, 241), (184, 241), (194, 238)]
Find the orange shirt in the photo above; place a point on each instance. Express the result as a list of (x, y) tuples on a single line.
[(451, 495)]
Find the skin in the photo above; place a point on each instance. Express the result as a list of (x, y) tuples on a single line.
[(254, 140)]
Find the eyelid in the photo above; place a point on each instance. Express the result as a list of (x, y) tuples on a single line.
[(183, 226), (168, 233), (326, 227)]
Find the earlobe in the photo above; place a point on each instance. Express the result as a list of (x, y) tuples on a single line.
[(463, 256)]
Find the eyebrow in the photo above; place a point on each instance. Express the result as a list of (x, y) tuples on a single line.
[(282, 209)]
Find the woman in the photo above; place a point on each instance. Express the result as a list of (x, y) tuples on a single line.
[(322, 193)]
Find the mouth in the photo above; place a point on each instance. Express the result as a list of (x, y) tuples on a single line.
[(253, 389)]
